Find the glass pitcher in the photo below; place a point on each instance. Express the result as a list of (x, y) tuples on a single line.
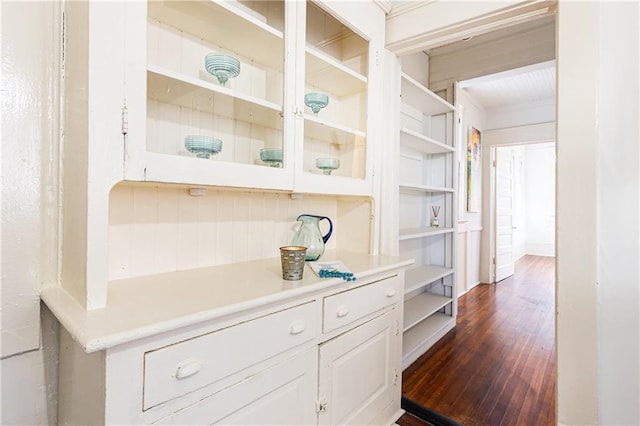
[(309, 235)]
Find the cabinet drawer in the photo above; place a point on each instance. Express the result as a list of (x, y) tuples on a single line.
[(188, 365), (280, 395), (349, 306)]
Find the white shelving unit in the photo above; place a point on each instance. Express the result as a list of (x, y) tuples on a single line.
[(303, 47), (137, 85), (426, 180)]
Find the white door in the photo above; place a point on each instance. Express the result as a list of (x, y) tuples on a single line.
[(359, 377), (504, 213)]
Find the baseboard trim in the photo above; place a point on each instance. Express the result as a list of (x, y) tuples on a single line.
[(426, 414)]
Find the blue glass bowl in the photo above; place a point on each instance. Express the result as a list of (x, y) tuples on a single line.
[(316, 101), (273, 157), (202, 146), (327, 165), (223, 67)]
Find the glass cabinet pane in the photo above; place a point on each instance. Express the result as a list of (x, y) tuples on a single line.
[(215, 80), (335, 96)]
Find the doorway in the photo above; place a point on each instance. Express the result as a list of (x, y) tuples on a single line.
[(522, 204)]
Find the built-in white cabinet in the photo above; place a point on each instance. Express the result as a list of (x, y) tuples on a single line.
[(359, 373), (426, 184), (141, 99), (297, 112), (308, 352)]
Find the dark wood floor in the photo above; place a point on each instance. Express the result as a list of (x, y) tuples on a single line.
[(497, 367)]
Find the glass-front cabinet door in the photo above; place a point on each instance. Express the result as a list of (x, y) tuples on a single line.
[(214, 82), (273, 94), (335, 99)]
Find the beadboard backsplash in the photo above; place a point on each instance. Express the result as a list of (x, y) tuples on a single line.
[(155, 229)]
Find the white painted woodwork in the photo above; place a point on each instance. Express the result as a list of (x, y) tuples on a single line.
[(30, 128), (344, 308), (421, 307), (93, 143), (618, 185), (359, 373), (330, 51), (504, 210), (154, 55), (426, 177), (242, 361), (214, 356), (525, 45), (155, 229), (417, 277), (418, 339), (418, 26), (281, 394)]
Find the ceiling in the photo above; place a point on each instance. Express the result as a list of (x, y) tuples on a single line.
[(524, 85)]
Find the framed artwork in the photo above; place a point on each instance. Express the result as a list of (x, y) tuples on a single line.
[(474, 169)]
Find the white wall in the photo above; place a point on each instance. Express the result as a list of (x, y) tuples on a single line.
[(470, 223), (598, 280), (520, 202), (540, 199), (29, 89), (618, 214), (542, 111)]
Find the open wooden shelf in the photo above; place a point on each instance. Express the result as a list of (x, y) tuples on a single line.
[(424, 188), (422, 143), (329, 75), (178, 89), (319, 129), (215, 21), (421, 307), (422, 275), (414, 337), (418, 96), (427, 231)]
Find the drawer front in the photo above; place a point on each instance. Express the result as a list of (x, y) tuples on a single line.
[(344, 308), (280, 395), (180, 368)]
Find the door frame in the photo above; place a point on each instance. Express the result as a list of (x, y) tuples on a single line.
[(490, 210)]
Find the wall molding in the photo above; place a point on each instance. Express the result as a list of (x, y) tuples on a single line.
[(424, 25)]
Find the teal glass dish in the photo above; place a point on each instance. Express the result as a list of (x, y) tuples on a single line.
[(328, 164), (223, 67), (316, 101), (271, 156), (202, 146)]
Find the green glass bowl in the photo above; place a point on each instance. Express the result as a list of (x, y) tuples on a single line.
[(271, 156), (316, 101)]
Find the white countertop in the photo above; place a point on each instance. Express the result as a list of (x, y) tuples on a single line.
[(145, 306)]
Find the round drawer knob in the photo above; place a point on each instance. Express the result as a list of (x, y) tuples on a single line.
[(391, 292)]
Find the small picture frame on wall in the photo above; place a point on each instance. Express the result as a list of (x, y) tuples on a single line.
[(474, 169)]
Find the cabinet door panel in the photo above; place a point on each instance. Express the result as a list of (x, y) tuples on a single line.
[(359, 372), (280, 395)]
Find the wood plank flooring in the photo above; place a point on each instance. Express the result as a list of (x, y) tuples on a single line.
[(497, 367)]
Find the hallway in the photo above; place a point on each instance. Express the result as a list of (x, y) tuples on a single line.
[(498, 365)]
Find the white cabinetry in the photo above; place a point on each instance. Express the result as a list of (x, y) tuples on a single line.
[(426, 183), (264, 359), (136, 86), (285, 50), (360, 373)]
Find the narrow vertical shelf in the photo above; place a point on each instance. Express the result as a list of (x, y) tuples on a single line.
[(427, 183)]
